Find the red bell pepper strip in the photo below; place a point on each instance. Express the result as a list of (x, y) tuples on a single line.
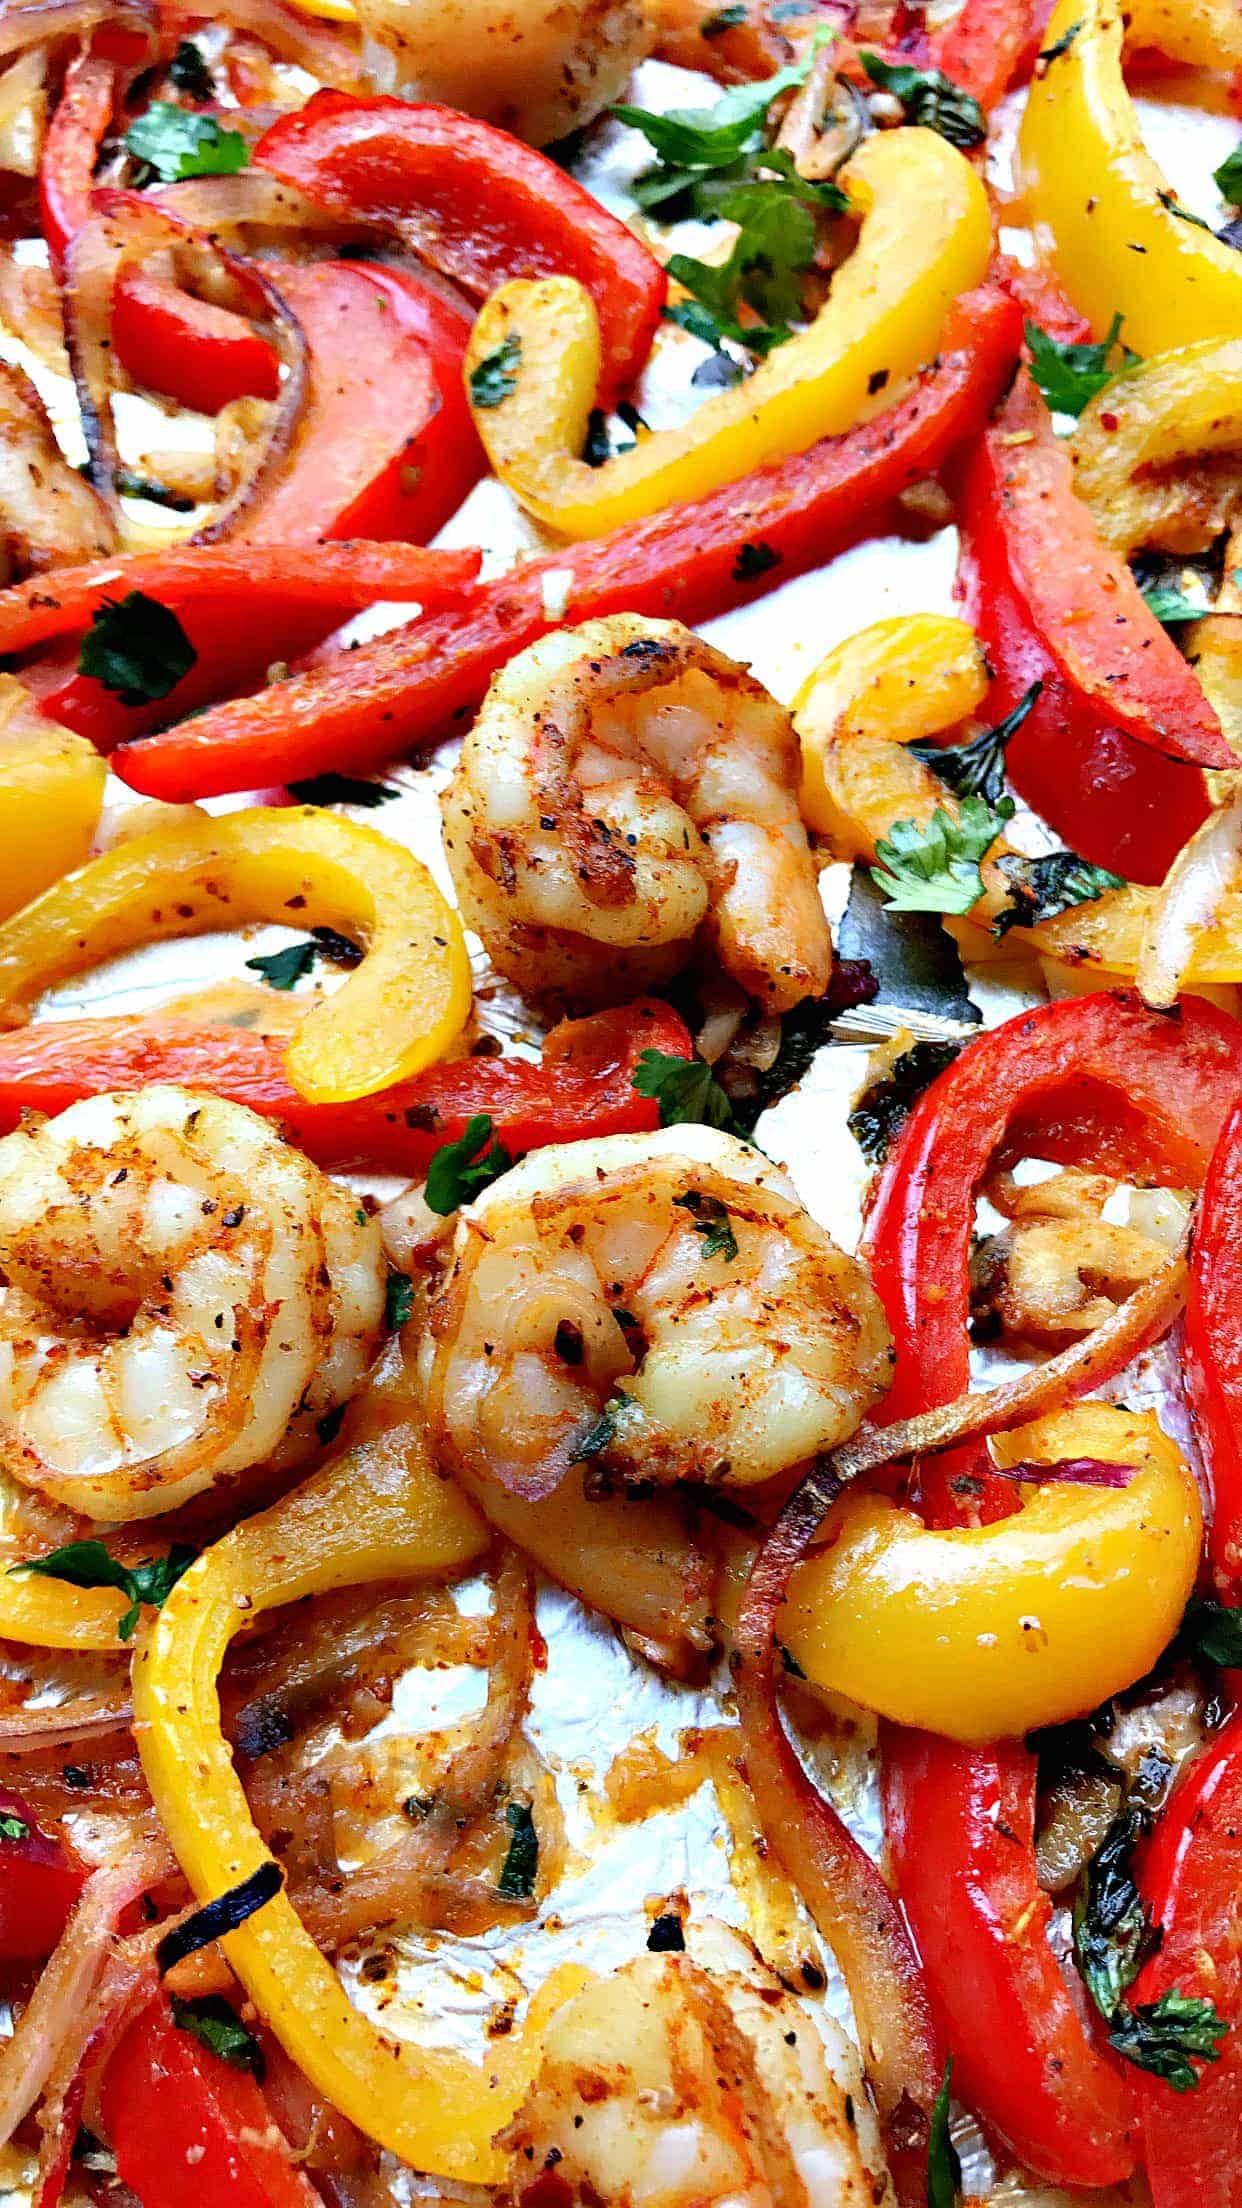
[(218, 593), (188, 349), (405, 688), (961, 1825), (71, 147), (581, 1086), (1096, 1081), (386, 447), (1213, 1351), (1189, 1876), (1115, 800), (187, 2128), (1102, 638), (478, 204), (39, 1882)]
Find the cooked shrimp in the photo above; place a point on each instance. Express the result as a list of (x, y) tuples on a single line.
[(696, 2081), (658, 1303), (625, 789), (183, 1294), (541, 68)]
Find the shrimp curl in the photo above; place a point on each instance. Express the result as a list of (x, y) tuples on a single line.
[(182, 1297), (625, 791), (660, 1303)]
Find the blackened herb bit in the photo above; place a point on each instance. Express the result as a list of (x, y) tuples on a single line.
[(666, 1936), (521, 1863), (882, 1110), (754, 560), (224, 1914)]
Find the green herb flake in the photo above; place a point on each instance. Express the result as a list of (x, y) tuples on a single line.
[(136, 648), (13, 1828), (459, 1170), (1228, 177), (1113, 1934), (685, 1089), (1070, 375), (343, 789), (398, 1300), (90, 1564), (977, 768), (283, 970), (930, 99), (883, 1109), (521, 1863), (217, 2026), (1042, 888), (173, 142), (936, 868), (1169, 2036), (944, 2168), (495, 378), (1170, 201), (754, 560), (710, 1219), (1214, 1632), (1171, 606), (190, 73), (1060, 45), (129, 485), (725, 19)]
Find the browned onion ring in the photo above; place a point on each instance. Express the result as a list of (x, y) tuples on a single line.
[(840, 1885), (126, 229), (330, 56)]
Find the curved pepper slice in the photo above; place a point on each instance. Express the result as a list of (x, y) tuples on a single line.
[(377, 1512), (982, 1632), (397, 1012), (479, 205), (1189, 1876), (355, 710), (582, 1086), (1101, 208), (1173, 408), (925, 238), (1214, 1351), (51, 796)]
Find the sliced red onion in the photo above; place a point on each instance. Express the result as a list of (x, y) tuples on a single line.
[(1070, 1472), (1188, 901)]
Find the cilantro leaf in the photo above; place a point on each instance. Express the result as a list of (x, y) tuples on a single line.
[(460, 1169), (1041, 888), (1113, 1934), (286, 968), (174, 143), (90, 1564), (710, 1218), (713, 137), (1060, 45), (13, 1828), (398, 1300), (343, 789), (944, 2168), (190, 73), (1171, 605), (936, 868), (930, 98), (1070, 375), (216, 2025), (685, 1089), (977, 768), (521, 1863), (1215, 1633), (1169, 2036), (883, 1109), (1228, 177), (495, 378), (137, 648)]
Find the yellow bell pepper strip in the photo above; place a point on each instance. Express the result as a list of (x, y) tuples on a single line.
[(51, 796), (983, 1632), (379, 1511), (49, 1613), (1174, 408), (925, 237), (1202, 34), (398, 1011), (1101, 209)]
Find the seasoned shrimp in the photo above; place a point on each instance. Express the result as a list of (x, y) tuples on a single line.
[(625, 789), (696, 2081), (540, 68), (658, 1303), (183, 1296)]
